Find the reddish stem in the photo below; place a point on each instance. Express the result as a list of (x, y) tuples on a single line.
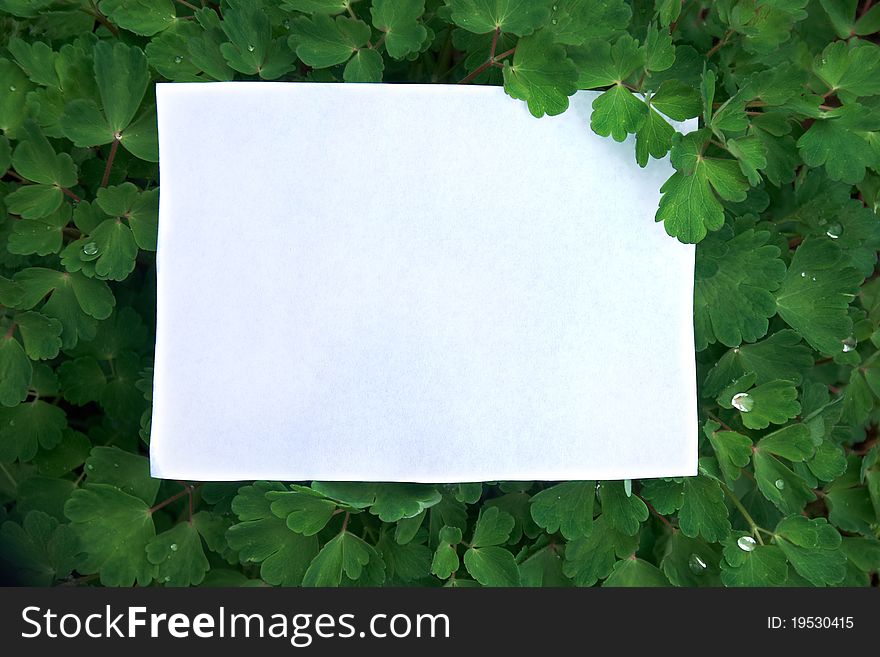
[(113, 147)]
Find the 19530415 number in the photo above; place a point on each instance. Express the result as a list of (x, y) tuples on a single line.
[(810, 622)]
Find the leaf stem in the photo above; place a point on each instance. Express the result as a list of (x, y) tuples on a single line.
[(9, 476), (168, 501), (756, 531), (113, 147), (345, 522), (721, 43), (71, 194), (656, 512), (188, 5)]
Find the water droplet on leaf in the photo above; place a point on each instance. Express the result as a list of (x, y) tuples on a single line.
[(90, 249), (554, 21), (746, 543), (779, 484), (803, 274), (11, 87), (250, 48), (178, 59), (849, 344), (834, 231), (173, 547), (742, 402), (90, 467), (697, 565)]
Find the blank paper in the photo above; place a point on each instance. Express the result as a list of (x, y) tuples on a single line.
[(412, 283)]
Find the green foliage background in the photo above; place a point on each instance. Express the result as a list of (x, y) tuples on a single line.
[(779, 186)]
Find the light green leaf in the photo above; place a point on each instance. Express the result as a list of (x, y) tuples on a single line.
[(178, 556), (541, 74)]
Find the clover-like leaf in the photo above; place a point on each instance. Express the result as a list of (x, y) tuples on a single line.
[(565, 507), (520, 17), (178, 556), (264, 538), (735, 280), (114, 529), (541, 74)]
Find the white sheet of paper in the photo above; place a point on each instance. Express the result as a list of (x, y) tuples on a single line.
[(413, 283)]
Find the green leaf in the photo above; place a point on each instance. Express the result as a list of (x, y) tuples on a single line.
[(305, 511), (390, 502), (398, 19), (76, 301), (690, 562), (122, 75), (746, 563), (575, 21), (623, 512), (321, 41), (114, 529), (703, 512), (493, 527), (779, 356), (41, 335), (364, 66), (41, 236), (635, 572), (541, 74), (792, 442), (144, 17), (15, 372), (35, 159), (735, 279), (140, 209), (178, 556), (126, 471), (676, 100), (565, 507), (850, 70), (492, 566), (841, 142), (251, 48), (520, 17), (445, 561), (772, 402), (40, 550), (26, 427), (787, 490), (264, 538), (617, 112), (82, 380), (653, 138), (343, 559), (587, 560), (812, 547), (815, 294), (601, 63)]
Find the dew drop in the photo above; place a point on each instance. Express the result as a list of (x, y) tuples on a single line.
[(779, 484), (554, 21), (167, 578), (555, 7), (697, 565), (90, 249), (173, 547), (286, 24), (11, 87), (115, 465), (11, 423), (742, 402), (90, 467), (178, 59), (746, 543), (813, 279), (834, 231), (628, 487), (824, 61), (803, 274), (849, 344), (250, 48)]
